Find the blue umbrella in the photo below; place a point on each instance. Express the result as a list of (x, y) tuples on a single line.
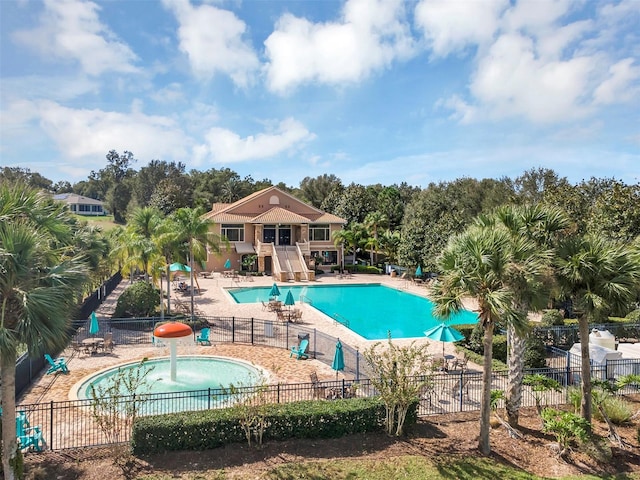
[(338, 358), (444, 333), (179, 267), (275, 292), (93, 326), (227, 264), (418, 271), (289, 300)]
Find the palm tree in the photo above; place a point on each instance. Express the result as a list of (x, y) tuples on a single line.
[(143, 224), (39, 286), (352, 237), (476, 264), (597, 276), (540, 225), (374, 221), (389, 243), (194, 233)]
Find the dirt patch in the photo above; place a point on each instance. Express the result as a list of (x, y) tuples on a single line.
[(439, 437)]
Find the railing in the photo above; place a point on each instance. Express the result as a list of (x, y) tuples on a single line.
[(71, 424), (337, 318), (304, 299), (566, 335)]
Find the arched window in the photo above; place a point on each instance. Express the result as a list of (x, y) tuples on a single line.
[(274, 200)]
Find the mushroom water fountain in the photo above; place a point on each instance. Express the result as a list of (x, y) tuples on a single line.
[(171, 332)]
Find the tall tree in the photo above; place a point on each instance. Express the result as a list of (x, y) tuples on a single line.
[(195, 233), (38, 290), (476, 263), (597, 276), (315, 190), (374, 222), (541, 226), (114, 181)]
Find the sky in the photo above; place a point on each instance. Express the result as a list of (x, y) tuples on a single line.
[(370, 91)]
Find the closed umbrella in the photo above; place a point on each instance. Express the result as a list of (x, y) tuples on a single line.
[(418, 271), (338, 359), (227, 264), (94, 328), (288, 301), (444, 333), (275, 291)]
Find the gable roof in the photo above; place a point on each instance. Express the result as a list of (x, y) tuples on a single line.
[(243, 210)]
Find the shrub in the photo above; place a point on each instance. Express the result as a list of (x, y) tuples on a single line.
[(566, 426), (552, 318), (634, 316), (208, 429), (139, 300), (475, 340), (534, 353), (618, 410)]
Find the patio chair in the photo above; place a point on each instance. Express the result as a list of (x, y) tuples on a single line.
[(59, 365), (203, 338), (78, 348), (460, 363), (108, 343), (460, 388), (317, 390), (300, 351), (28, 437)]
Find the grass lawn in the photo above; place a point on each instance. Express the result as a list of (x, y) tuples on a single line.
[(405, 467), (104, 222)]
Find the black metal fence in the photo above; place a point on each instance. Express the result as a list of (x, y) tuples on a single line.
[(27, 368), (565, 336), (250, 331), (72, 424)]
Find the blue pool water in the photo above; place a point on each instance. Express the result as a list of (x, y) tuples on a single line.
[(370, 310), (193, 374)]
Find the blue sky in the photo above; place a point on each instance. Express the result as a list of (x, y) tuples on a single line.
[(371, 91)]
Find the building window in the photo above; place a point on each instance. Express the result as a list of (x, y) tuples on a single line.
[(326, 257), (274, 200), (319, 233), (84, 208), (233, 233)]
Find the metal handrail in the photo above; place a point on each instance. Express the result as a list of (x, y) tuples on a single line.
[(303, 298), (340, 319)]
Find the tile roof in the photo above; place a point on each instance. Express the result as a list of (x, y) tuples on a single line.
[(279, 215)]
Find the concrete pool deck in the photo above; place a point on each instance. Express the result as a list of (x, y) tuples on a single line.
[(214, 300)]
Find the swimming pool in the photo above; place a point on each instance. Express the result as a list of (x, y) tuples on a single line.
[(195, 374), (370, 310)]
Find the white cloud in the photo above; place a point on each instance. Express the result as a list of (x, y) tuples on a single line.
[(512, 80), (212, 39), (531, 61), (71, 30), (452, 26), (619, 86), (225, 146), (85, 134), (370, 35)]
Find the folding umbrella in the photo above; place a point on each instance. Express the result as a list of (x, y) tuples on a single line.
[(227, 264), (444, 333), (275, 291), (338, 359), (94, 328), (288, 301)]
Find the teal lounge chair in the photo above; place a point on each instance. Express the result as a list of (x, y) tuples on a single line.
[(203, 338), (300, 351), (59, 365), (27, 436)]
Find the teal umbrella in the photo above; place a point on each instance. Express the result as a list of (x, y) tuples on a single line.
[(338, 359), (94, 328), (179, 267), (227, 264), (418, 271), (288, 301), (444, 333), (275, 292)]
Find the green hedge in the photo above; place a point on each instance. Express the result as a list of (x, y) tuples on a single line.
[(214, 428)]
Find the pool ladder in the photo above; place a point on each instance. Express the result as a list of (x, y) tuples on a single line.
[(337, 318), (305, 299)]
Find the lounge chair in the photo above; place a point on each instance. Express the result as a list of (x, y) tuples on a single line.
[(108, 343), (300, 351), (203, 338), (28, 436), (59, 365)]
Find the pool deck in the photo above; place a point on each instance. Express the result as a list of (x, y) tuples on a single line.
[(214, 300)]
